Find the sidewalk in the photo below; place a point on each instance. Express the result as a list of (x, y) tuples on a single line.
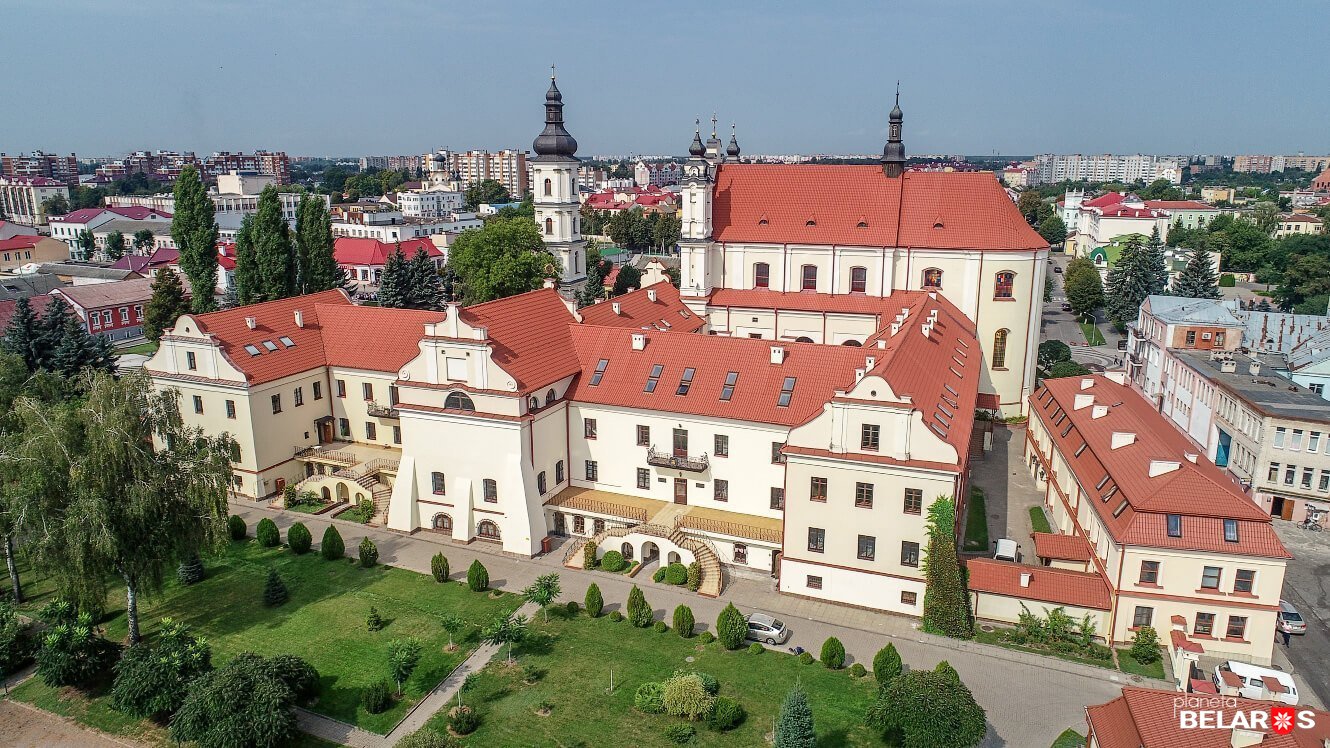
[(1061, 689)]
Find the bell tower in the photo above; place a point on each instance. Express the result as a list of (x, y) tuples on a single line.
[(695, 235), (554, 188)]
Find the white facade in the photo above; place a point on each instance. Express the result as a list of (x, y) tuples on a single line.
[(431, 203), (1109, 168), (21, 198)]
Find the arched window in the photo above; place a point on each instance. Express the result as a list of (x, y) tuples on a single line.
[(761, 275), (549, 397), (558, 472), (459, 401), (540, 482), (803, 339), (858, 280), (627, 550), (808, 274), (1000, 349), (932, 278), (549, 188), (549, 226), (443, 522), (534, 402), (853, 343), (1003, 284), (487, 530)]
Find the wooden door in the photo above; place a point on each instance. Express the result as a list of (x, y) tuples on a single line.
[(681, 490), (325, 432)]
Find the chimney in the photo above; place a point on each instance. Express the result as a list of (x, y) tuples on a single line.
[(1121, 439), (1098, 411), (1083, 400), (549, 283), (1228, 366), (251, 322), (1087, 383), (777, 354), (480, 333), (639, 341), (651, 294), (300, 319), (905, 312), (1243, 738), (617, 308), (1163, 467), (1255, 368), (1025, 578)]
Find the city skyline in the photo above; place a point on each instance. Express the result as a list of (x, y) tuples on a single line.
[(795, 80)]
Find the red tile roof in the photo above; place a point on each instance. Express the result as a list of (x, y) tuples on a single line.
[(82, 215), (638, 311), (139, 212), (1180, 641), (358, 251), (1179, 205), (1148, 718), (1201, 493), (1047, 584), (113, 294), (530, 336), (1125, 211), (1061, 547), (22, 241), (1105, 200), (372, 338), (858, 205)]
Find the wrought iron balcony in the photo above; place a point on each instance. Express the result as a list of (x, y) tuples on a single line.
[(694, 463), (380, 411)]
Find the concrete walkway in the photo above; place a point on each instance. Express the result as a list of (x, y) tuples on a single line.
[(1030, 699)]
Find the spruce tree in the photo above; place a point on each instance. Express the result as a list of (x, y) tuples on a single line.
[(23, 337), (448, 284), (115, 246), (946, 603), (79, 350), (274, 590), (51, 331), (426, 285), (246, 278), (166, 305), (1198, 279), (319, 270), (273, 249), (194, 229), (1139, 272), (794, 723), (190, 571), (395, 283)]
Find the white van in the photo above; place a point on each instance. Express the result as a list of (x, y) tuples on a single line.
[(1254, 682)]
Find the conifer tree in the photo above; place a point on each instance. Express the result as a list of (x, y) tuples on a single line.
[(79, 350), (449, 284), (395, 283), (318, 266), (1138, 273), (194, 229), (166, 305), (1198, 279), (946, 602), (24, 334), (246, 278), (426, 285), (273, 249), (794, 723)]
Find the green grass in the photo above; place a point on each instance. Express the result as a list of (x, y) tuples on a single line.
[(147, 349), (976, 522), (1130, 665), (1039, 520), (1069, 739), (323, 622), (309, 507), (999, 638), (1092, 334), (579, 654), (93, 711)]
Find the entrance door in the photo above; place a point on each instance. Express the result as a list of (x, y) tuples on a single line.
[(680, 443), (325, 432), (560, 524), (681, 490), (1281, 507)]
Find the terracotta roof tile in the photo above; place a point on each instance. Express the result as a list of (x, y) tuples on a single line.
[(638, 311), (530, 336), (1147, 718), (360, 251), (273, 319), (1047, 584), (372, 338), (1061, 547)]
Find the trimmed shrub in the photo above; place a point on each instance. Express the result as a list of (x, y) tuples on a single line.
[(589, 560), (16, 639), (660, 627), (1145, 645), (709, 681), (376, 697), (694, 580), (332, 547), (593, 601), (756, 648), (1227, 281), (658, 576), (686, 696), (236, 526), (374, 623), (683, 621), (676, 574), (438, 568), (680, 734), (463, 720), (806, 658), (572, 607), (731, 627), (706, 637), (639, 612), (886, 665), (274, 590), (477, 577), (858, 670), (267, 533), (833, 653), (190, 571), (299, 539), (650, 698), (426, 738), (369, 553), (616, 616), (613, 561), (727, 714)]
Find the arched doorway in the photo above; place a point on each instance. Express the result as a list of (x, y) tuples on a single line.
[(343, 493), (627, 550), (327, 495), (673, 558), (487, 530), (649, 552), (442, 523)]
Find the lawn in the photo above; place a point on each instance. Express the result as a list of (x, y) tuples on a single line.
[(1092, 334), (579, 654), (307, 507), (147, 349), (323, 622), (1039, 520), (1130, 665), (1069, 739), (1001, 638), (976, 522)]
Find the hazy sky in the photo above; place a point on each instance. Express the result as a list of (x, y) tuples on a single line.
[(404, 76)]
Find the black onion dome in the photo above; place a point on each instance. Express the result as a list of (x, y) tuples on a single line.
[(733, 150), (554, 140), (696, 148)]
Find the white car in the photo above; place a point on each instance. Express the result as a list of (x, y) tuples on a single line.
[(1255, 682), (1006, 550)]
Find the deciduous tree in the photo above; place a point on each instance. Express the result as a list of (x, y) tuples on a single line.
[(143, 240), (504, 258), (543, 592), (194, 230), (168, 302), (485, 192), (114, 247)]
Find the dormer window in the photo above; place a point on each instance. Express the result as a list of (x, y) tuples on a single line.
[(1230, 531), (762, 221), (862, 224), (1175, 525), (811, 222)]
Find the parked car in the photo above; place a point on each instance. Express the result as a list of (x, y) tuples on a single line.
[(1066, 307), (1254, 682), (1006, 550), (1290, 620), (1057, 268), (764, 628)]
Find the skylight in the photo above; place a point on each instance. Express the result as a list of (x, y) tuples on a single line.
[(600, 371), (786, 392), (251, 350), (1175, 525), (289, 343), (1102, 482), (654, 378), (685, 382), (1081, 449), (727, 391), (949, 389), (944, 410), (270, 345), (683, 313), (937, 429)]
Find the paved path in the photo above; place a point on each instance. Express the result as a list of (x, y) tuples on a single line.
[(1005, 682), (1307, 586), (26, 726)]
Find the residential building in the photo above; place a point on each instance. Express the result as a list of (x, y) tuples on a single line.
[(1098, 221), (429, 203), (10, 229), (274, 164), (69, 227), (112, 310), (1019, 178), (650, 199), (1306, 163), (25, 250), (1169, 533), (63, 169), (1292, 224), (409, 164), (459, 170), (21, 198), (592, 178), (235, 196), (165, 165), (32, 286), (1215, 194), (1109, 168), (654, 173), (1156, 718), (386, 224), (1309, 364), (363, 259), (1322, 181), (1253, 164)]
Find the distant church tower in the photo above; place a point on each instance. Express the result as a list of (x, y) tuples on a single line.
[(699, 174), (893, 156), (554, 172)]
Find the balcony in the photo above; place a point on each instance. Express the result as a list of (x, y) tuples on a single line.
[(380, 411), (692, 463)]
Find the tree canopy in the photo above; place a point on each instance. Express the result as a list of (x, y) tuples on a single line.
[(928, 709), (194, 230), (946, 601), (485, 192), (274, 251), (504, 258), (316, 264), (1139, 272), (1198, 279), (167, 303)]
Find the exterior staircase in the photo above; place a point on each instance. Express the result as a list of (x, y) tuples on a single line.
[(708, 559)]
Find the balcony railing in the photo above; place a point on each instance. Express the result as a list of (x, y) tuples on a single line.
[(694, 463), (380, 411), (324, 455)]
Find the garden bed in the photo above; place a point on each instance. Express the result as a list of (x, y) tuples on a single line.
[(1002, 637), (1039, 520), (315, 507), (1130, 665), (976, 522)]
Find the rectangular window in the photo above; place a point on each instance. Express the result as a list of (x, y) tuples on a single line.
[(367, 389), (344, 427), (592, 471), (870, 436), (1175, 525), (1149, 572), (813, 583), (341, 388), (1231, 530), (437, 483), (909, 598), (685, 382), (540, 483), (776, 457), (491, 488), (1205, 624), (654, 379), (318, 390), (863, 495), (190, 361), (1290, 472), (1313, 441), (1324, 483), (722, 489), (643, 478), (1142, 617), (397, 434), (914, 501), (300, 396), (1210, 578), (867, 547), (1296, 441), (786, 392), (727, 391), (1244, 581), (124, 314), (1237, 627), (558, 472), (909, 553), (777, 498), (276, 404), (579, 524), (371, 431), (1280, 434), (722, 446), (1272, 474), (198, 405), (643, 436), (600, 371), (1307, 474), (817, 491), (817, 539), (858, 279), (1191, 337), (231, 409), (761, 275), (809, 273), (589, 428)]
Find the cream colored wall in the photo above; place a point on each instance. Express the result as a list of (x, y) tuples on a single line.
[(851, 587), (355, 408), (1004, 609)]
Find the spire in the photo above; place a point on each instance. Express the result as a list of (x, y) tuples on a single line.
[(696, 148), (893, 155), (733, 150), (554, 141), (713, 124)]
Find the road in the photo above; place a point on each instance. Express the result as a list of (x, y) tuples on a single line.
[(1059, 325), (1307, 586)]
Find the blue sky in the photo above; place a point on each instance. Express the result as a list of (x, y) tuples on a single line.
[(405, 76)]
